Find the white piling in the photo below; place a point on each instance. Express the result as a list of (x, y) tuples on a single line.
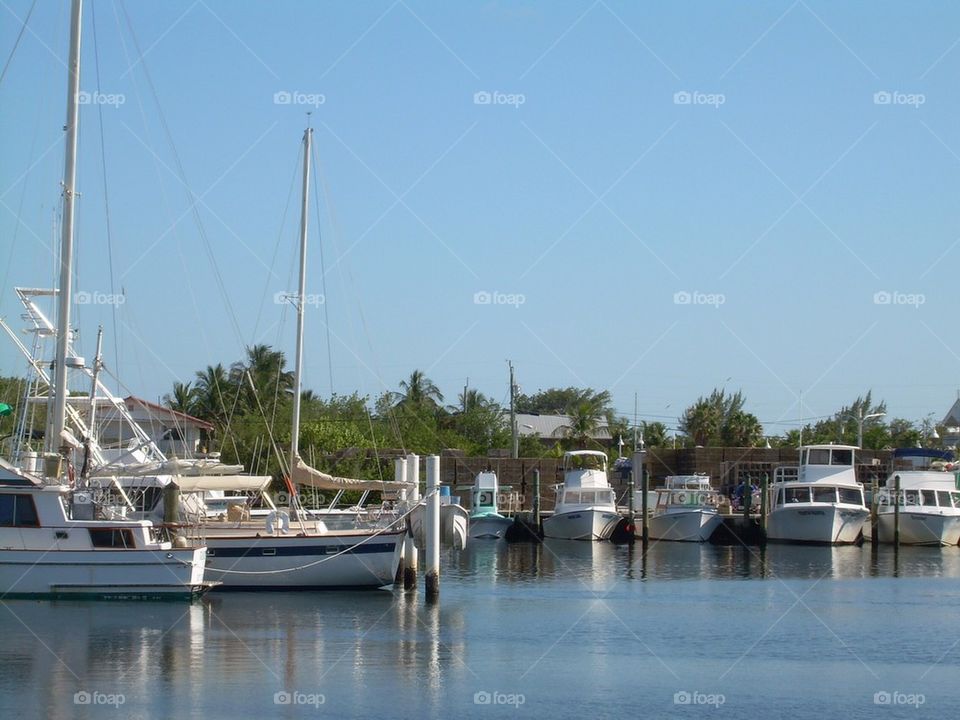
[(400, 476), (433, 527), (412, 464)]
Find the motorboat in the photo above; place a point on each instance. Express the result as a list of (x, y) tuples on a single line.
[(929, 500), (586, 507), (819, 501), (485, 519), (686, 510)]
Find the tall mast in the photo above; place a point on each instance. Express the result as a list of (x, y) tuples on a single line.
[(301, 295), (60, 392)]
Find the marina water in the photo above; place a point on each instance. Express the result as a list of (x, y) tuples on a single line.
[(563, 630)]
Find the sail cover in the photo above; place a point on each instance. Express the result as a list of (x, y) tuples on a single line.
[(303, 474)]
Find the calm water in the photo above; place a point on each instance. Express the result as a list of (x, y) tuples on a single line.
[(566, 630)]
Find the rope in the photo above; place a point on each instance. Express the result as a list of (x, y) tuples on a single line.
[(16, 43), (328, 557)]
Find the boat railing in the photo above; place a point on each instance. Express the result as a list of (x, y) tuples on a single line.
[(786, 473)]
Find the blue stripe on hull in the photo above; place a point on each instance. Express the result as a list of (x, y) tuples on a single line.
[(300, 551)]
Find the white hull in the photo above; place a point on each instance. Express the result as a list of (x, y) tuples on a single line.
[(489, 528), (684, 526), (824, 524), (920, 528), (287, 562), (454, 525), (590, 524), (119, 574)]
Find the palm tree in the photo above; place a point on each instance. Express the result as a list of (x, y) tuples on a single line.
[(585, 418), (418, 391), (263, 378), (214, 394), (182, 399)]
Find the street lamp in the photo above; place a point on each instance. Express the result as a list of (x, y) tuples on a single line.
[(861, 419)]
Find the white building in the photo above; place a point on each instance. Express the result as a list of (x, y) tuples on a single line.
[(175, 433)]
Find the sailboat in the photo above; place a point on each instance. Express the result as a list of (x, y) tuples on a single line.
[(55, 538)]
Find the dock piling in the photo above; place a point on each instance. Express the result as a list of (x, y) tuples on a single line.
[(432, 526), (637, 471), (896, 512), (412, 464), (874, 521)]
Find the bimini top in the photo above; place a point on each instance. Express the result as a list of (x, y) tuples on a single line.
[(595, 453), (923, 453)]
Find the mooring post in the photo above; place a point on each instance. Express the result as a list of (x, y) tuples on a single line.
[(639, 472), (536, 499), (400, 476), (409, 546), (747, 500), (433, 527), (896, 512), (764, 485), (874, 510)]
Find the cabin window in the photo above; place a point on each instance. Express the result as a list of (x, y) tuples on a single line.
[(825, 494), (912, 498), (842, 457), (797, 495), (18, 511), (111, 538), (852, 496), (956, 499), (928, 497), (818, 456), (944, 498), (571, 497)]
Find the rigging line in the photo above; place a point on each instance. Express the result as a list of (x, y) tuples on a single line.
[(191, 197), (16, 43), (323, 271), (106, 197)]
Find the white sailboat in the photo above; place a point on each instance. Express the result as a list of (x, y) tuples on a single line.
[(929, 499), (820, 502), (54, 538), (586, 508)]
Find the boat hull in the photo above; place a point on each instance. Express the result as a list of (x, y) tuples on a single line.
[(287, 562), (686, 526), (593, 524), (820, 524), (109, 574), (489, 527), (919, 528)]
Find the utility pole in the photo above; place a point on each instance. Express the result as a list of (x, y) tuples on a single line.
[(635, 423), (515, 440), (466, 387)]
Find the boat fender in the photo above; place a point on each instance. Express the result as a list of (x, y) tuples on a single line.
[(273, 518)]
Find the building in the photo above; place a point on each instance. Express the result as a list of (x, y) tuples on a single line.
[(175, 433), (951, 426), (552, 428)]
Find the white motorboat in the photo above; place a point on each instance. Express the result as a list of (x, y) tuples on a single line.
[(54, 543), (485, 519), (686, 510), (818, 502), (586, 508), (929, 499)]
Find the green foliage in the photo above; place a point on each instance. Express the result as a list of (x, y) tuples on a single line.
[(719, 419), (563, 401)]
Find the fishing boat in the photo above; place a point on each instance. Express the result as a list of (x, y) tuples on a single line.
[(686, 510), (818, 502), (929, 500), (486, 522), (586, 508)]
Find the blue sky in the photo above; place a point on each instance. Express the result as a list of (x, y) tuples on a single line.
[(656, 199)]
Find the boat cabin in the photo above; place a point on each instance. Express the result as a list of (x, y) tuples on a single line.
[(485, 489), (823, 462)]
